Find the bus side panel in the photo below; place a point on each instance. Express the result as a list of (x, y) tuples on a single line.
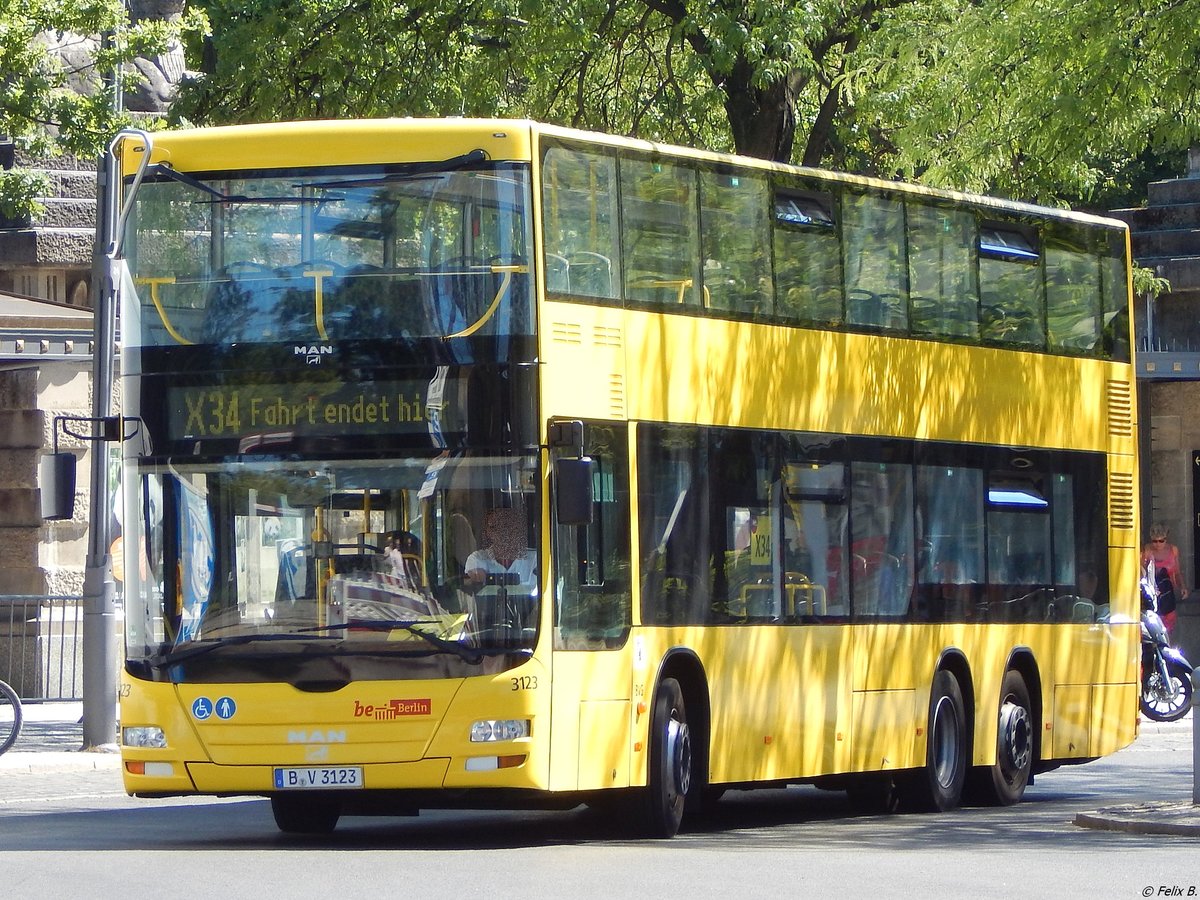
[(780, 701), (882, 736), (604, 743), (1112, 725), (588, 340), (1072, 718), (590, 736)]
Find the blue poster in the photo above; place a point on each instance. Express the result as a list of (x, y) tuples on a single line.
[(196, 560)]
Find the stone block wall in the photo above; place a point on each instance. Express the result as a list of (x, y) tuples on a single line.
[(1174, 439), (21, 437)]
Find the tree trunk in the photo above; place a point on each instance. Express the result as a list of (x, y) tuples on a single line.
[(762, 120)]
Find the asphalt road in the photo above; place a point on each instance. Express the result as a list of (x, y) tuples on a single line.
[(75, 834)]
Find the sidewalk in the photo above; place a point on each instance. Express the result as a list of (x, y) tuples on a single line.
[(51, 740), (1163, 817)]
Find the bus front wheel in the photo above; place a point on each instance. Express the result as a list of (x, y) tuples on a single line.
[(670, 775), (295, 814), (938, 786)]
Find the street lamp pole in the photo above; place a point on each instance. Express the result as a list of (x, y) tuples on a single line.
[(99, 589)]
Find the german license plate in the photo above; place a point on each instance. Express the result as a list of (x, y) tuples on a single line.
[(318, 778)]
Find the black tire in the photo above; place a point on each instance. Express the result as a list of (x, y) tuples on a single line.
[(670, 761), (938, 785), (1173, 706), (873, 795), (305, 814), (10, 717), (1004, 783)]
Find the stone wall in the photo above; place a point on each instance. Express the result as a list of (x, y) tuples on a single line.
[(22, 434), (1174, 439)]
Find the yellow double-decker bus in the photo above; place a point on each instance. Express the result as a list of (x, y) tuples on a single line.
[(494, 464)]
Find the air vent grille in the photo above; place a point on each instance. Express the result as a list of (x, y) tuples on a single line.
[(1120, 408), (1120, 500)]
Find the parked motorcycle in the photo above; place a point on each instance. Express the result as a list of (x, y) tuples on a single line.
[(1166, 674)]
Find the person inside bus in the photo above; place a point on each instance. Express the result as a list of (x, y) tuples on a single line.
[(403, 556), (505, 557), (1168, 575)]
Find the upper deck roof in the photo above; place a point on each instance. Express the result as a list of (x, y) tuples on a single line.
[(285, 145)]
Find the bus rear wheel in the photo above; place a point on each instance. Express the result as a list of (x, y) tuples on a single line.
[(1003, 783), (670, 775), (938, 786), (296, 814)]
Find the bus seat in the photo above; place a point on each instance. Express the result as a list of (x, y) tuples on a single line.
[(591, 273), (558, 274), (1083, 610)]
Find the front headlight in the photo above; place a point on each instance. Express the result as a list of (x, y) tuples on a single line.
[(489, 730), (143, 736)]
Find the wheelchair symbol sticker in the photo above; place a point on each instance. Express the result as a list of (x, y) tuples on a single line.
[(202, 708)]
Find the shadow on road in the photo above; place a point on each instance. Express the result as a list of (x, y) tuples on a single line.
[(757, 820)]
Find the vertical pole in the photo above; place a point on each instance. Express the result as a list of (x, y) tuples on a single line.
[(99, 589), (1195, 739)]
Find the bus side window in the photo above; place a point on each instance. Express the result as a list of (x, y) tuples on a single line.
[(873, 254), (579, 200), (660, 246), (591, 561)]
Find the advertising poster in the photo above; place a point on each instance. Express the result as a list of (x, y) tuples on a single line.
[(196, 560)]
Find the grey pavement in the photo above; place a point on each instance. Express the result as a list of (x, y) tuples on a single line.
[(51, 740)]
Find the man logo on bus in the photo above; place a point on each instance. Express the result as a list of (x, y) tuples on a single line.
[(393, 710), (312, 353)]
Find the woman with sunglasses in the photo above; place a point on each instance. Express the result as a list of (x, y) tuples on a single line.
[(1168, 576)]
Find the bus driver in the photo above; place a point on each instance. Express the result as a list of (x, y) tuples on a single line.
[(505, 557)]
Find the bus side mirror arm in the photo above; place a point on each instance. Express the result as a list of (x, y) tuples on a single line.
[(573, 490), (57, 470)]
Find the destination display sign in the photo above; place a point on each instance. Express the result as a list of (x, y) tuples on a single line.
[(304, 409)]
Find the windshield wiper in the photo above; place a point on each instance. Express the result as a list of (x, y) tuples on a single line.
[(472, 655), (406, 171), (179, 654), (221, 197)]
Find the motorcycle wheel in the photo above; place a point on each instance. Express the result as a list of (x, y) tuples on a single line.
[(1171, 702)]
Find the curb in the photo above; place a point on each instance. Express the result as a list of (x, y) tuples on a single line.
[(1179, 819), (24, 762)]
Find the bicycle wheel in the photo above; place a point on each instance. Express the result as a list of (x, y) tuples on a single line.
[(10, 716)]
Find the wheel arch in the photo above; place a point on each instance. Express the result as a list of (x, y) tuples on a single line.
[(682, 664), (955, 662)]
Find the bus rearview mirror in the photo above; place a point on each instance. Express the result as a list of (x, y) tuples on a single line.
[(573, 495), (56, 477)]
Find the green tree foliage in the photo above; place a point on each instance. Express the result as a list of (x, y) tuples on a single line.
[(1054, 100), (748, 75), (300, 59), (46, 109), (1040, 99)]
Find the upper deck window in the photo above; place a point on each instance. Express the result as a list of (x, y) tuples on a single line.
[(804, 210), (874, 257), (411, 251), (660, 246), (808, 258), (580, 213), (1001, 243)]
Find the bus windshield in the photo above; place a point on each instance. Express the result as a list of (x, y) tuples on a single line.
[(326, 571), (407, 251)]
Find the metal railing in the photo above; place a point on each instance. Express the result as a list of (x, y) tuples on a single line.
[(41, 645)]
